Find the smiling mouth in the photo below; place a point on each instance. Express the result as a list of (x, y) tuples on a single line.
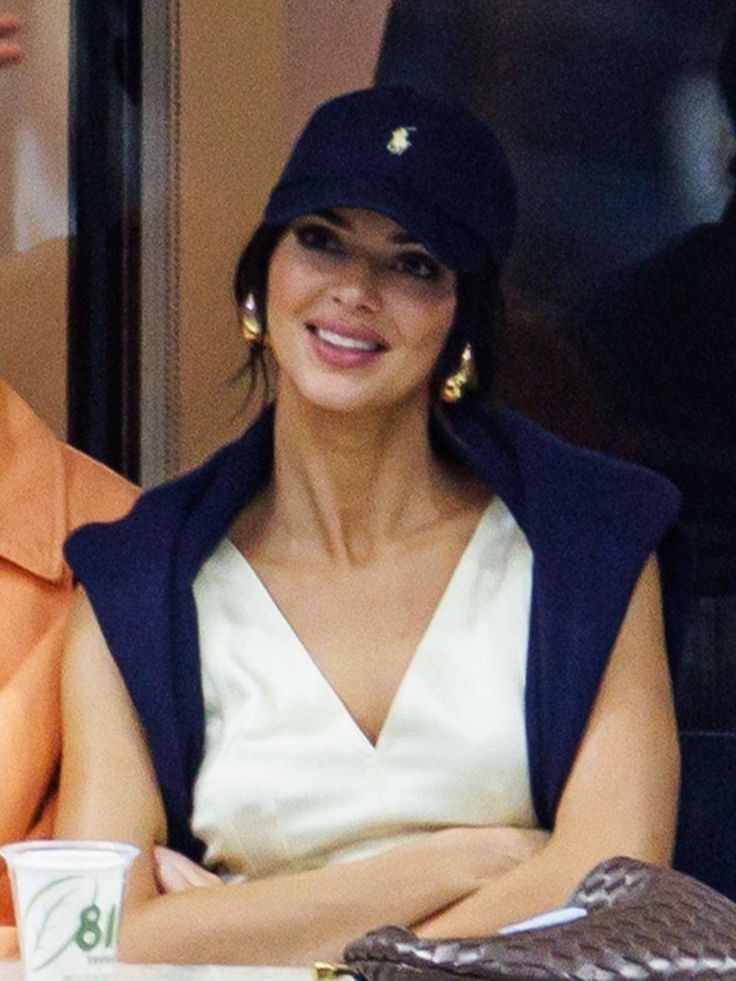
[(342, 341)]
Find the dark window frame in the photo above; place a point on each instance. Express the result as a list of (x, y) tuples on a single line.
[(103, 378)]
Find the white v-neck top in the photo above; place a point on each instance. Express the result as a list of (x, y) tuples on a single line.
[(289, 781)]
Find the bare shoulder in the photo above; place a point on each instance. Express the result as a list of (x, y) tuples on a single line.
[(85, 643), (640, 646), (91, 681), (103, 780), (108, 787), (629, 754)]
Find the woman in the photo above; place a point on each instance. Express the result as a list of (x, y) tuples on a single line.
[(366, 655)]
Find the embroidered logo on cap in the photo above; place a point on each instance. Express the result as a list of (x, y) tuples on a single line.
[(400, 142)]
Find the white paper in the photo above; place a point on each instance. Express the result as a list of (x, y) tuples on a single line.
[(553, 918)]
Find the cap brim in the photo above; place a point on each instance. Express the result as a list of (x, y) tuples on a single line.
[(455, 246)]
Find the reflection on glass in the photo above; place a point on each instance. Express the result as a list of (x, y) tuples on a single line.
[(34, 209)]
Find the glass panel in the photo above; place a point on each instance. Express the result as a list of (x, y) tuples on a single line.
[(34, 210), (208, 165)]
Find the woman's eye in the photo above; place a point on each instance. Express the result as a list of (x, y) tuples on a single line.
[(418, 265), (317, 237)]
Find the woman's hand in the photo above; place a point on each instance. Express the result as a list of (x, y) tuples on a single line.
[(10, 51), (175, 872)]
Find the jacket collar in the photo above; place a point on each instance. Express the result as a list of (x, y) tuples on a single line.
[(33, 507)]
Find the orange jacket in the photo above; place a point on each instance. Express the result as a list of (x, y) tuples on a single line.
[(47, 489)]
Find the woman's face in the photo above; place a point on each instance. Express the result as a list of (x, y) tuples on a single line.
[(358, 313)]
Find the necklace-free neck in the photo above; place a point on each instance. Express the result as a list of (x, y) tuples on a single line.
[(348, 484)]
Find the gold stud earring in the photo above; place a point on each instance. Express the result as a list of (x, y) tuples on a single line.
[(250, 322), (460, 381)]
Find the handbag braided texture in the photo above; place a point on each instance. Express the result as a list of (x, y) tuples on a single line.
[(642, 922)]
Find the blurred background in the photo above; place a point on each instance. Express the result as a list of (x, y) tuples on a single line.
[(153, 132)]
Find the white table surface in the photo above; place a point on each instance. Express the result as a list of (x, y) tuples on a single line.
[(12, 971)]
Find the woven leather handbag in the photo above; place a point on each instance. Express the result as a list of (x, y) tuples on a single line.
[(641, 922)]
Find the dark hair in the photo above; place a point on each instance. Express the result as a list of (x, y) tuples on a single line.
[(480, 308)]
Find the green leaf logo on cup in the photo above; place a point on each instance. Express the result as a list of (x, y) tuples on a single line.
[(47, 917), (68, 897)]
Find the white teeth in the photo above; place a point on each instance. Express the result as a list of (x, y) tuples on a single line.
[(338, 340)]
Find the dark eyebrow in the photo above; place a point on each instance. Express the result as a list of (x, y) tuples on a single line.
[(331, 216)]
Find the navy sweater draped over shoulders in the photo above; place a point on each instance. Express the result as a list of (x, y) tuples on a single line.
[(590, 521)]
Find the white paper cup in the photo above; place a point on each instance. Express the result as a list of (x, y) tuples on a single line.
[(68, 898)]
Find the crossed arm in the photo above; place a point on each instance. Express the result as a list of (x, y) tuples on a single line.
[(620, 799), (621, 795)]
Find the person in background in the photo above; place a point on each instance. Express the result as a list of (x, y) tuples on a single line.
[(47, 489), (392, 656), (660, 339)]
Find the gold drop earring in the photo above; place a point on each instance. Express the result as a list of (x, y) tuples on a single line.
[(462, 380), (250, 322)]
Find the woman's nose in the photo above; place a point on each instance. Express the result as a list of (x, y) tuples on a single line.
[(357, 284)]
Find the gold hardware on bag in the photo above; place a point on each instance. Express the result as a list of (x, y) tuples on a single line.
[(326, 972)]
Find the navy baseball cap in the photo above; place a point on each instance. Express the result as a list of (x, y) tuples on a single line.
[(433, 167)]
